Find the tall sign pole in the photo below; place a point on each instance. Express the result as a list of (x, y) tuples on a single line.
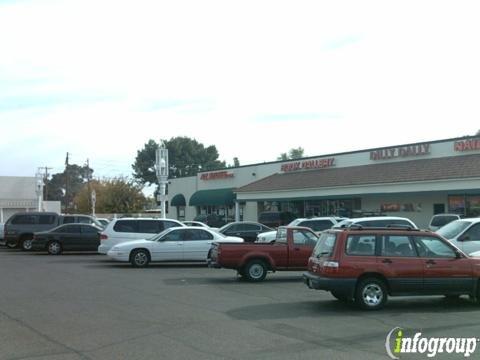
[(39, 189), (161, 170)]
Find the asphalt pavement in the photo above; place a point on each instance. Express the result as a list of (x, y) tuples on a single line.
[(83, 306)]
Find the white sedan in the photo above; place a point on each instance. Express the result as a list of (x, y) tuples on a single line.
[(174, 244)]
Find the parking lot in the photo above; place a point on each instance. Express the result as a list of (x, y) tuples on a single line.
[(83, 306)]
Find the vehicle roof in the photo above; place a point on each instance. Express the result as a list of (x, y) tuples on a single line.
[(145, 218), (473, 220), (377, 218), (317, 218), (382, 230)]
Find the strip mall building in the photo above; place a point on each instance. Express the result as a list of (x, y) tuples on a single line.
[(413, 180)]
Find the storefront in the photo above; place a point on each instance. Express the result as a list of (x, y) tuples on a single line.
[(414, 181)]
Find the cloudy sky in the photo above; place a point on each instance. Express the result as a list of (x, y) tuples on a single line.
[(98, 78)]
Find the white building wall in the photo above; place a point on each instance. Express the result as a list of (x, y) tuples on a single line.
[(423, 205)]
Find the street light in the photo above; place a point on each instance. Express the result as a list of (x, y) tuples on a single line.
[(161, 170), (39, 190)]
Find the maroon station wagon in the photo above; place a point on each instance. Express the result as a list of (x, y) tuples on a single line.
[(369, 264)]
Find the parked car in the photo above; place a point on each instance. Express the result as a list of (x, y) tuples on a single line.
[(212, 220), (79, 237), (439, 220), (127, 229), (464, 234), (247, 230), (377, 221), (21, 226), (368, 265), (103, 221), (79, 219), (275, 219), (316, 224), (174, 244), (290, 251)]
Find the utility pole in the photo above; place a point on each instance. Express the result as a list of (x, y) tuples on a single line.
[(45, 180), (66, 184)]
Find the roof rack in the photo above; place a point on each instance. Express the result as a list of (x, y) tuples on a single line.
[(388, 227)]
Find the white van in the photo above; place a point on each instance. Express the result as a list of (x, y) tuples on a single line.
[(127, 229)]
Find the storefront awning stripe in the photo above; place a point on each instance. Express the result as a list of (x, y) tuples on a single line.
[(178, 200), (212, 197)]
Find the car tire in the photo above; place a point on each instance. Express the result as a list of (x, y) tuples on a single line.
[(11, 244), (140, 258), (371, 294), (27, 244), (255, 271), (54, 248), (339, 296)]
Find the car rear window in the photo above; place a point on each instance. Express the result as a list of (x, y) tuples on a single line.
[(23, 220), (325, 245), (126, 226), (360, 245), (443, 220)]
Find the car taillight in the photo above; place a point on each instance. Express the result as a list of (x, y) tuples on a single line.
[(103, 237), (330, 267)]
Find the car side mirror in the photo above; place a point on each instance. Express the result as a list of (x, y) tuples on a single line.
[(458, 255)]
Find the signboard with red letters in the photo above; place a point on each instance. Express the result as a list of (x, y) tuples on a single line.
[(308, 164), (467, 145), (218, 175)]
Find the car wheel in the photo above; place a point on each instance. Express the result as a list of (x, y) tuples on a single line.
[(54, 248), (371, 294), (27, 244), (140, 258), (339, 296), (255, 270), (11, 244)]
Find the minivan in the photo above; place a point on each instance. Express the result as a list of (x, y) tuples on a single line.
[(127, 229)]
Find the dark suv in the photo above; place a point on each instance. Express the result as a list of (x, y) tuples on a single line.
[(369, 264), (20, 227)]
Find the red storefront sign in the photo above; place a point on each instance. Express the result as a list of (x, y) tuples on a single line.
[(308, 164), (216, 175), (400, 152), (467, 145)]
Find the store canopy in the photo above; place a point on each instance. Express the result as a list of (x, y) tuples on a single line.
[(213, 197), (178, 200)]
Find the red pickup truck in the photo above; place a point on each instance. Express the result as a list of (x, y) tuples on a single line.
[(289, 251)]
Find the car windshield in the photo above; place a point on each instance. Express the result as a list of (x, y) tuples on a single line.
[(325, 245), (441, 220), (224, 227), (295, 222), (158, 236), (453, 229)]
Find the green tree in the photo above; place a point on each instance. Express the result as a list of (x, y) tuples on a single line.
[(292, 154), (118, 195), (186, 157), (65, 186), (236, 162)]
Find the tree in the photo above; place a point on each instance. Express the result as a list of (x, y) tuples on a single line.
[(71, 179), (292, 154), (236, 162), (118, 195), (186, 157)]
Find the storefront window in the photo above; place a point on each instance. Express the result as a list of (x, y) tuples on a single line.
[(467, 205)]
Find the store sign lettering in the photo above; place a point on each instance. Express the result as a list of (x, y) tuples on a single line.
[(400, 152), (308, 164), (467, 145), (216, 175)]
